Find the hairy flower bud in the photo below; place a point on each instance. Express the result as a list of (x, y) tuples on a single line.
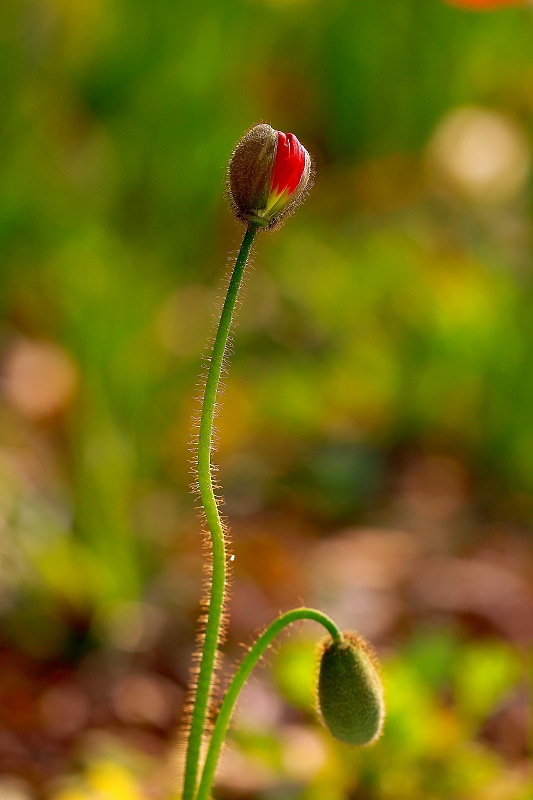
[(268, 175), (350, 694)]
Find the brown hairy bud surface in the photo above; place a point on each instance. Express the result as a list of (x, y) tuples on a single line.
[(250, 170)]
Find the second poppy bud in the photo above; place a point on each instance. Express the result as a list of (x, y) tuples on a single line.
[(350, 694), (268, 175)]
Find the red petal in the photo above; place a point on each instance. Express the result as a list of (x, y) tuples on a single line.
[(289, 165)]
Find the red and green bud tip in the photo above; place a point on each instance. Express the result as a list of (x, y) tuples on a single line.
[(268, 176)]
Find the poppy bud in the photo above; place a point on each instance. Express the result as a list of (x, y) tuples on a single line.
[(350, 694), (268, 175)]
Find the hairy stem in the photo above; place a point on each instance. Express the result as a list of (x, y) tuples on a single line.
[(218, 577), (250, 660)]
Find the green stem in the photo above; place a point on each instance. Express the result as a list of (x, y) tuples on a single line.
[(250, 660), (218, 577)]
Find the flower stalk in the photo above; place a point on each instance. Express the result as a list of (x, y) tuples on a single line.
[(254, 655), (212, 634), (268, 176)]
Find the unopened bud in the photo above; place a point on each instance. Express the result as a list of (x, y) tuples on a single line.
[(268, 175), (350, 694)]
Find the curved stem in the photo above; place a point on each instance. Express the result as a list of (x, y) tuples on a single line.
[(250, 660), (218, 576)]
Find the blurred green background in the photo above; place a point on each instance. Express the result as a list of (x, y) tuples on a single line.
[(376, 439)]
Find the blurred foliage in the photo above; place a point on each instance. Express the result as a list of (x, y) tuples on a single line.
[(381, 384)]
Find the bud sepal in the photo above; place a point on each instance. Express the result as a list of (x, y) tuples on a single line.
[(350, 698)]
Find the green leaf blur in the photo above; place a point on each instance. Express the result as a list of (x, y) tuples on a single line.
[(376, 436)]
